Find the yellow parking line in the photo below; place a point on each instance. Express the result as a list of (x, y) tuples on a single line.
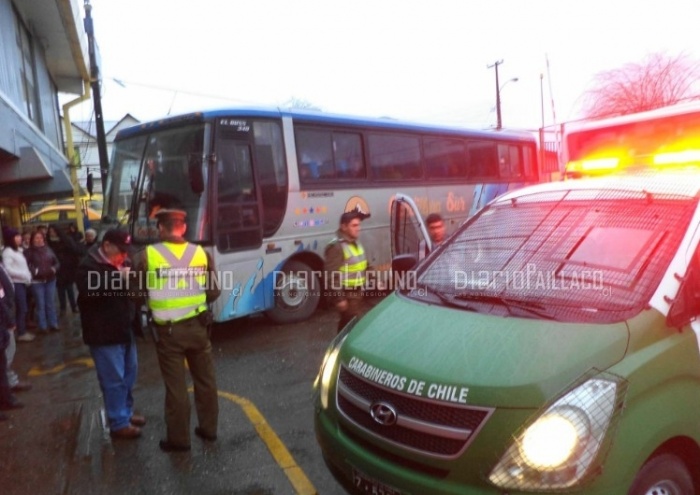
[(36, 371), (284, 459)]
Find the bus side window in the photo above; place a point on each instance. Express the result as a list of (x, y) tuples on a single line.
[(395, 157), (348, 155), (445, 158), (483, 160), (315, 156)]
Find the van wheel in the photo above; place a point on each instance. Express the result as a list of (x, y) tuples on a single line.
[(297, 294), (665, 474)]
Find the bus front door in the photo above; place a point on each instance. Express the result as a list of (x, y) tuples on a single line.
[(410, 241)]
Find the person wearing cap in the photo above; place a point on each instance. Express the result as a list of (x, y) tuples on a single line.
[(180, 281), (106, 313), (346, 268)]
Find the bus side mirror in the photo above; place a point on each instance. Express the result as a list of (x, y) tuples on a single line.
[(195, 175), (89, 184)]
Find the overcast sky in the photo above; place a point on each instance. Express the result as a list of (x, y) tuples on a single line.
[(416, 60)]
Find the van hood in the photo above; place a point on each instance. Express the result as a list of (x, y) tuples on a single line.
[(477, 359)]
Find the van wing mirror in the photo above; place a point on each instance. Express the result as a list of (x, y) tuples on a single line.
[(403, 263), (686, 305)]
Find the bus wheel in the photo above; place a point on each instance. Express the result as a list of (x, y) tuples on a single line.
[(665, 474), (297, 294)]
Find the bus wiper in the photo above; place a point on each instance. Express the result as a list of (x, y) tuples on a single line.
[(532, 307)]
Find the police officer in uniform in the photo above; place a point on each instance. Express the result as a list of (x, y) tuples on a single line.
[(180, 282), (346, 267)]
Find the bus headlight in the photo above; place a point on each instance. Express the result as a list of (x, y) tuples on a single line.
[(557, 449)]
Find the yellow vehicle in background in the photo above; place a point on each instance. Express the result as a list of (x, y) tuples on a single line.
[(61, 215)]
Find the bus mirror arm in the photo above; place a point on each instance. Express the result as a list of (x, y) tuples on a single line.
[(195, 175)]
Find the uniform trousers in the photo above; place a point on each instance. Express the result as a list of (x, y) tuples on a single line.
[(354, 298), (188, 340)]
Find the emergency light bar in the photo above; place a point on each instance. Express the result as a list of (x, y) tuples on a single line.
[(677, 157), (604, 165), (593, 165)]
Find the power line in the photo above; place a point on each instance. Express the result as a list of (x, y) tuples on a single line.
[(126, 83)]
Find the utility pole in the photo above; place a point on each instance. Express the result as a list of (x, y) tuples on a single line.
[(96, 96), (499, 122)]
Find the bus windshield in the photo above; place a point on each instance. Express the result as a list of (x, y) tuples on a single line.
[(167, 168)]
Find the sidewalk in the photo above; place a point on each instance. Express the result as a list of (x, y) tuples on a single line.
[(59, 423)]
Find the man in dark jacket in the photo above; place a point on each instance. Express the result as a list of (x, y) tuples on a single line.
[(106, 315)]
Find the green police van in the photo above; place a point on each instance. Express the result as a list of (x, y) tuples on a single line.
[(549, 346)]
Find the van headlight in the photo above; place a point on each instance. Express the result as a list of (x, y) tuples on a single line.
[(322, 383), (557, 449)]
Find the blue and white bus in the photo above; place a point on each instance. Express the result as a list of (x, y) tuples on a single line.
[(264, 190)]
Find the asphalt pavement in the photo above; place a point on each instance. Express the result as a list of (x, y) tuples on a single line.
[(59, 443)]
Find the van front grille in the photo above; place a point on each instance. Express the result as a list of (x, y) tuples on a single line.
[(427, 426)]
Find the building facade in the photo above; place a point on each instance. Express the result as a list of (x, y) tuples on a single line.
[(43, 52)]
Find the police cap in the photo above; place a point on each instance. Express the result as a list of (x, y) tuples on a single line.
[(349, 216), (170, 213)]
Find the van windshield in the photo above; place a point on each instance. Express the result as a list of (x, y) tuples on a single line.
[(577, 256)]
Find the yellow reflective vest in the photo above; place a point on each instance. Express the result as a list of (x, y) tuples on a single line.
[(354, 264), (176, 280)]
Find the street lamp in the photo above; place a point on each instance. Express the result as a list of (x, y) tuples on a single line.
[(499, 87), (499, 125), (513, 79)]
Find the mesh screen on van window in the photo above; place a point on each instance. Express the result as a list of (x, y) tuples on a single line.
[(568, 255)]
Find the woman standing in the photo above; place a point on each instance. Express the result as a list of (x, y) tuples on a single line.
[(68, 251), (43, 265), (16, 265)]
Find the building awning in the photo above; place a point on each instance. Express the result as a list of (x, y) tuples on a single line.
[(27, 166), (29, 176)]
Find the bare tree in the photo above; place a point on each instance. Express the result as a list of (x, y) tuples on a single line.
[(299, 104), (658, 80)]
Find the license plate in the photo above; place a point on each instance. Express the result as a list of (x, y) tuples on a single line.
[(365, 484)]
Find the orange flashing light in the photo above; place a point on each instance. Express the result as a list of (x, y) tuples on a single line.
[(677, 157), (593, 165)]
